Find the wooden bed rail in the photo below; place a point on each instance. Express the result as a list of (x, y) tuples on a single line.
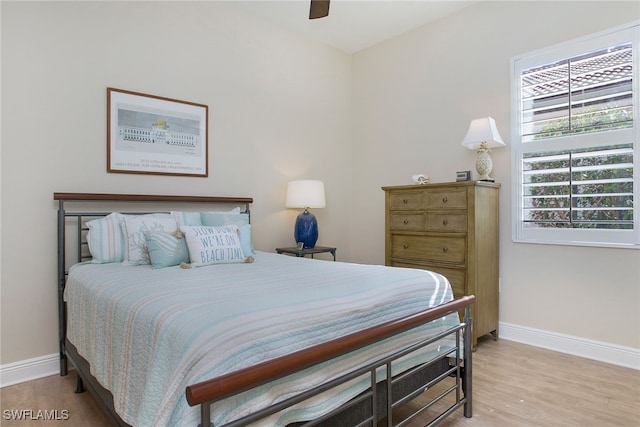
[(77, 197), (244, 379)]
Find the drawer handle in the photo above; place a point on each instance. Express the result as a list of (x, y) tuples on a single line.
[(406, 221), (444, 200), (445, 249), (405, 246), (445, 222), (405, 201)]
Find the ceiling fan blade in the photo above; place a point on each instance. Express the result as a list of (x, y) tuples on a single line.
[(319, 9)]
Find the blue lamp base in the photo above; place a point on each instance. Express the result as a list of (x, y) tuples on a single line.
[(306, 229)]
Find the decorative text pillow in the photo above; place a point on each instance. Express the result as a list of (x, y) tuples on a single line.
[(213, 245)]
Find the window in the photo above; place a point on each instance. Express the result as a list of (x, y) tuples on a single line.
[(575, 139)]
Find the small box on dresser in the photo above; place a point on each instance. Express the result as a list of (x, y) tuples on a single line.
[(452, 229)]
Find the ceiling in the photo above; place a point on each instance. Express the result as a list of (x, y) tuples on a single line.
[(352, 25)]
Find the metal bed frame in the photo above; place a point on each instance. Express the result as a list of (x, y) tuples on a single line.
[(380, 400)]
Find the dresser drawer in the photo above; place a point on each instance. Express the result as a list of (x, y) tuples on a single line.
[(407, 222), (456, 223), (407, 200), (447, 199), (457, 277), (436, 248)]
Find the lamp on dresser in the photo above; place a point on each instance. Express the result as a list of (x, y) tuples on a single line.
[(482, 136), (306, 194)]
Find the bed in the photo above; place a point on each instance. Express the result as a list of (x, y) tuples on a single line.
[(244, 337)]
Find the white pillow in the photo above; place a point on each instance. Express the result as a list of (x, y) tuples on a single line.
[(213, 245), (105, 239), (134, 227)]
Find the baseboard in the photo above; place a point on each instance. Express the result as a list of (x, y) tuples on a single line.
[(610, 353), (30, 369)]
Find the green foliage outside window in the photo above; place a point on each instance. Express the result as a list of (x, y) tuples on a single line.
[(588, 188)]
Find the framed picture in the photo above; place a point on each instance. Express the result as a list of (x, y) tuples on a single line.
[(149, 134), (463, 176)]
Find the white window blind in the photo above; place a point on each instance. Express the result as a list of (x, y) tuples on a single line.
[(579, 189), (575, 142)]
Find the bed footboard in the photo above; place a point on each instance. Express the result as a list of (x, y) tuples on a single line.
[(208, 392)]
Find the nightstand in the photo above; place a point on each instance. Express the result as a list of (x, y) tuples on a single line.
[(307, 251)]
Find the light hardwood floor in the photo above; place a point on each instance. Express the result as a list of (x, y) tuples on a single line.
[(514, 385)]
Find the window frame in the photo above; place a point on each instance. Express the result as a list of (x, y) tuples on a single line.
[(565, 50)]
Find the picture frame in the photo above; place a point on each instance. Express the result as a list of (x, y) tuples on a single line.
[(148, 134), (463, 176)]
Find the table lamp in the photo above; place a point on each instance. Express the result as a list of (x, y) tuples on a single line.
[(482, 136), (306, 194)]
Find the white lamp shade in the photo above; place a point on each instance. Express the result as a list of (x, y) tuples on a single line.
[(305, 194), (483, 131)]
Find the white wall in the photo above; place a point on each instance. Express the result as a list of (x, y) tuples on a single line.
[(279, 108), (414, 98)]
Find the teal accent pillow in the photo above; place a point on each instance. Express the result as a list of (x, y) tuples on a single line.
[(217, 219), (165, 249), (134, 228), (186, 218), (245, 239)]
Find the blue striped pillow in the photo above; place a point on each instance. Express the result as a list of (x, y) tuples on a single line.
[(105, 239)]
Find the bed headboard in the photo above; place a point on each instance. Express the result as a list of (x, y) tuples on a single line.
[(75, 209), (116, 203)]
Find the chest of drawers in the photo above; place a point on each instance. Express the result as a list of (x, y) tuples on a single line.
[(452, 229)]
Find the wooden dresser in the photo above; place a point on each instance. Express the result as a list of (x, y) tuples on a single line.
[(452, 229)]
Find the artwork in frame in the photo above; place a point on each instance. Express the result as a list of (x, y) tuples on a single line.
[(149, 134)]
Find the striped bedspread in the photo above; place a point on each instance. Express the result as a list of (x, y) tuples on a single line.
[(148, 333)]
